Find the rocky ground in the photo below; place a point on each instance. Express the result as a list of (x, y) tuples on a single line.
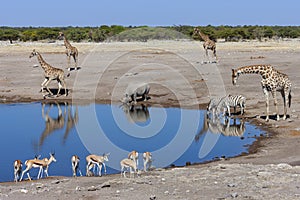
[(270, 171), (217, 181)]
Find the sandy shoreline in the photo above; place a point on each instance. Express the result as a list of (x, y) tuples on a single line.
[(105, 70)]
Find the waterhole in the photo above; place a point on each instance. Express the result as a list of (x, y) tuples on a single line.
[(174, 136)]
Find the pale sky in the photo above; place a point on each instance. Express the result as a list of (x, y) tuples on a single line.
[(151, 13)]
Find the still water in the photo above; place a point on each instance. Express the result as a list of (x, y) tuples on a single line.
[(174, 136)]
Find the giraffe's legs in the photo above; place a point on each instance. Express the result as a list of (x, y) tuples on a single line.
[(75, 60), (285, 97), (59, 87), (267, 103), (215, 54), (69, 60), (61, 83), (275, 104), (206, 54), (65, 86), (45, 84)]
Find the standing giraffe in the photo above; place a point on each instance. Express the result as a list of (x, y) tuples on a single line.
[(272, 81), (208, 43), (50, 73), (70, 50)]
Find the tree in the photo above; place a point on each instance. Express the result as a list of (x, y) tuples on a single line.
[(268, 32), (10, 34)]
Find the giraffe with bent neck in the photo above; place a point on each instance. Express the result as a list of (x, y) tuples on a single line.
[(50, 73), (208, 43), (272, 81), (70, 50)]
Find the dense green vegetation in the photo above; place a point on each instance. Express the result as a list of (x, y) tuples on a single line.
[(144, 33)]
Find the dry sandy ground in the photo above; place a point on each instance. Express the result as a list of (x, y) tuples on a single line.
[(178, 78)]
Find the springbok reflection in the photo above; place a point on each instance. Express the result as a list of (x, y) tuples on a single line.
[(61, 120), (136, 113), (214, 124)]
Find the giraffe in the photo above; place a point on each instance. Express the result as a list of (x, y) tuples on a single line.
[(70, 50), (50, 73), (272, 81), (208, 43)]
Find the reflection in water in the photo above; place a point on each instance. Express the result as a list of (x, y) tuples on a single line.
[(213, 123), (72, 120), (136, 113), (233, 129), (169, 135), (58, 122)]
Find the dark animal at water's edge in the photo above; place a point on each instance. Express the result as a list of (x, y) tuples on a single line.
[(134, 91)]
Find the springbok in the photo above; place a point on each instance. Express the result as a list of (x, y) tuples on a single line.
[(147, 158), (37, 163), (128, 163), (75, 165), (93, 160), (17, 169), (134, 155)]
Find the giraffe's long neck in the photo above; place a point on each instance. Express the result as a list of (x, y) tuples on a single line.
[(256, 69), (42, 62), (203, 36), (67, 43)]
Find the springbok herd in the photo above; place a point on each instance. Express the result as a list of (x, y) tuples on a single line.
[(94, 165)]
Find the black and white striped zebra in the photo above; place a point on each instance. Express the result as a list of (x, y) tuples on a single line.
[(212, 105), (231, 101)]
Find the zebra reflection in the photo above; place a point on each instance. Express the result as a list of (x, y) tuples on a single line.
[(136, 113), (214, 124)]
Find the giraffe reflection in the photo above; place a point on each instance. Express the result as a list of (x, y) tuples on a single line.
[(214, 125), (72, 120), (61, 120)]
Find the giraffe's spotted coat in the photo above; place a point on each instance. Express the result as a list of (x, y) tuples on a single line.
[(272, 81)]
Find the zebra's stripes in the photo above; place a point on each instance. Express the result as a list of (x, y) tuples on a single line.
[(216, 105), (212, 105), (232, 101)]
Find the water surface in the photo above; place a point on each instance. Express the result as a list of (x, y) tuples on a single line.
[(174, 136)]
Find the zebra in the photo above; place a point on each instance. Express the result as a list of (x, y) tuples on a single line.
[(231, 101), (212, 105)]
